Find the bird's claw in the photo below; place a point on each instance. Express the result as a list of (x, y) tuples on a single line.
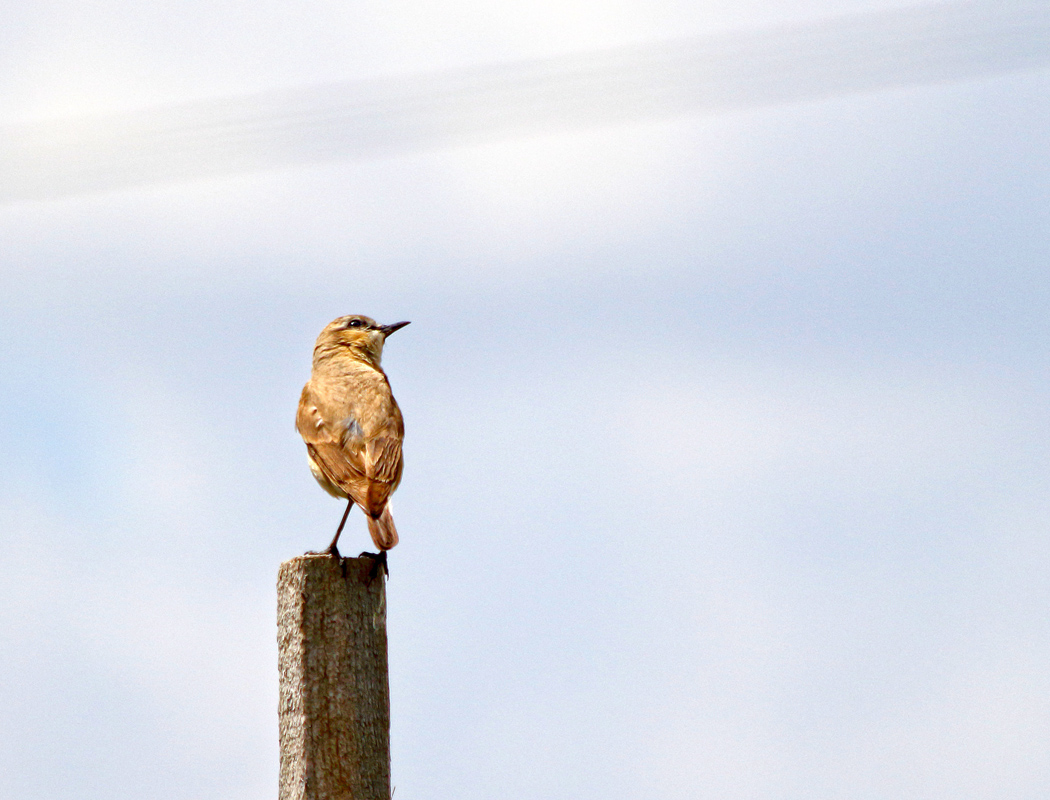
[(331, 550), (378, 563)]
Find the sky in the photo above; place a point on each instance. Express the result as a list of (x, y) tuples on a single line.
[(726, 467)]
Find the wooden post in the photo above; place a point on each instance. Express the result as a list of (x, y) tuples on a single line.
[(335, 693)]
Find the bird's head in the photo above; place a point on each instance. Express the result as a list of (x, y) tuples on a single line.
[(355, 336)]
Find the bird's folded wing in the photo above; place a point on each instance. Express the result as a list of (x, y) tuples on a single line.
[(356, 474), (344, 469), (340, 458), (383, 460), (308, 419), (367, 469)]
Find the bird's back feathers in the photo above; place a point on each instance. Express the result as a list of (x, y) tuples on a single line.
[(353, 429)]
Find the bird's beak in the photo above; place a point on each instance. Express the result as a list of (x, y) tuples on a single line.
[(389, 329)]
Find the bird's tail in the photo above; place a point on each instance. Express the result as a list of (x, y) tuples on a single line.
[(382, 529)]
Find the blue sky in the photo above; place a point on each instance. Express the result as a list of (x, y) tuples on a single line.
[(726, 467)]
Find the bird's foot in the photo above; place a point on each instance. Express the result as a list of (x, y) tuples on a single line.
[(331, 550), (378, 563)]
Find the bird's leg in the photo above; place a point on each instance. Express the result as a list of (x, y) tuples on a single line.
[(332, 550), (378, 563)]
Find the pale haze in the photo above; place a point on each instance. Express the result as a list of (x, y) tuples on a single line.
[(727, 433)]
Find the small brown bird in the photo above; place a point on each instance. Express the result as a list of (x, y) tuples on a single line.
[(351, 424)]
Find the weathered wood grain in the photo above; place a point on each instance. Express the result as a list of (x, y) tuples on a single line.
[(334, 688)]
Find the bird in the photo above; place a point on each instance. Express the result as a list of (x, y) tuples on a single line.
[(352, 425)]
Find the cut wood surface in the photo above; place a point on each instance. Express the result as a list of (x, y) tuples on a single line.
[(334, 689)]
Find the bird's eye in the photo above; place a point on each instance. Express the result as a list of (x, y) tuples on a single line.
[(354, 323)]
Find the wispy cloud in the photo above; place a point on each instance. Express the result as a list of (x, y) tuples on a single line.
[(921, 45)]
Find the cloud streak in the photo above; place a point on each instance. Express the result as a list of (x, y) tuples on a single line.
[(922, 45)]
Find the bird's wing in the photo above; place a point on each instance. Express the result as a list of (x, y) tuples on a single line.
[(383, 459), (341, 468), (308, 419), (383, 467), (368, 469), (336, 446)]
